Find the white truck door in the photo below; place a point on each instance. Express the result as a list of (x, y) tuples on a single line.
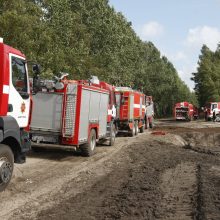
[(19, 93)]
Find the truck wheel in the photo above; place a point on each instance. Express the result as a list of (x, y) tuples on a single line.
[(88, 149), (6, 166), (112, 135), (132, 131), (142, 128), (136, 127)]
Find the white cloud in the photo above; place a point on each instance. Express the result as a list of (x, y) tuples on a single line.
[(185, 60), (150, 30), (178, 56), (203, 35), (185, 76), (186, 73)]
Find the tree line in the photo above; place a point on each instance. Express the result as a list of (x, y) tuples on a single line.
[(207, 77), (86, 38)]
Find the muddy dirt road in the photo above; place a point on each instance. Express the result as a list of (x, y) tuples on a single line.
[(151, 176)]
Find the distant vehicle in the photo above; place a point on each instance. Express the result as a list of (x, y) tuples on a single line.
[(210, 108), (185, 111), (131, 107)]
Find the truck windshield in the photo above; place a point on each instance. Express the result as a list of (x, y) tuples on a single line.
[(19, 75), (214, 106)]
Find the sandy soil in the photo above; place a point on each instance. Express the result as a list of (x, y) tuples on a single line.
[(171, 176)]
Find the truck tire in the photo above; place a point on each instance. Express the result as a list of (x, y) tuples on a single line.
[(88, 149), (142, 128), (6, 166), (132, 131), (136, 127), (112, 135)]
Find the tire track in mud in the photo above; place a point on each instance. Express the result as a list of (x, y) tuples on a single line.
[(210, 191), (58, 182), (199, 215), (201, 150), (179, 186), (128, 192)]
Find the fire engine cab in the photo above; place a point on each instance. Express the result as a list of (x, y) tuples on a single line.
[(73, 114), (15, 102), (210, 108)]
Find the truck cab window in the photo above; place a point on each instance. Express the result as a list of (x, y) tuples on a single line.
[(19, 75), (214, 106)]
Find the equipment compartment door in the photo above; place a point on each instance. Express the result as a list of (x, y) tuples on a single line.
[(84, 115), (93, 111), (47, 112), (131, 107), (104, 99)]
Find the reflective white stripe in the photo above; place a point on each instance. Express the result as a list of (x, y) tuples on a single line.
[(5, 89), (109, 112), (137, 105)]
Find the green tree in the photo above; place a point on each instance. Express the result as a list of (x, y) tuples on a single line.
[(207, 76), (86, 38)]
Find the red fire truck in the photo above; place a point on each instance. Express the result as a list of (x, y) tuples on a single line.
[(183, 111), (130, 110), (15, 102), (210, 108), (73, 114)]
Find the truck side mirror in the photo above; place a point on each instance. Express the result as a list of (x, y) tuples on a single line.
[(36, 80)]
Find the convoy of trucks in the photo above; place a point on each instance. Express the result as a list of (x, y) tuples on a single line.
[(71, 114)]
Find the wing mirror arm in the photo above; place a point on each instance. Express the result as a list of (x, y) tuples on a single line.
[(36, 79)]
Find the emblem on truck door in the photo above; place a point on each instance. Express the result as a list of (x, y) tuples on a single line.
[(23, 107)]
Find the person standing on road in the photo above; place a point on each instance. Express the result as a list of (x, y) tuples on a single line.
[(150, 112), (214, 115)]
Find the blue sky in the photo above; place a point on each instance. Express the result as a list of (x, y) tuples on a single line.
[(177, 28)]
